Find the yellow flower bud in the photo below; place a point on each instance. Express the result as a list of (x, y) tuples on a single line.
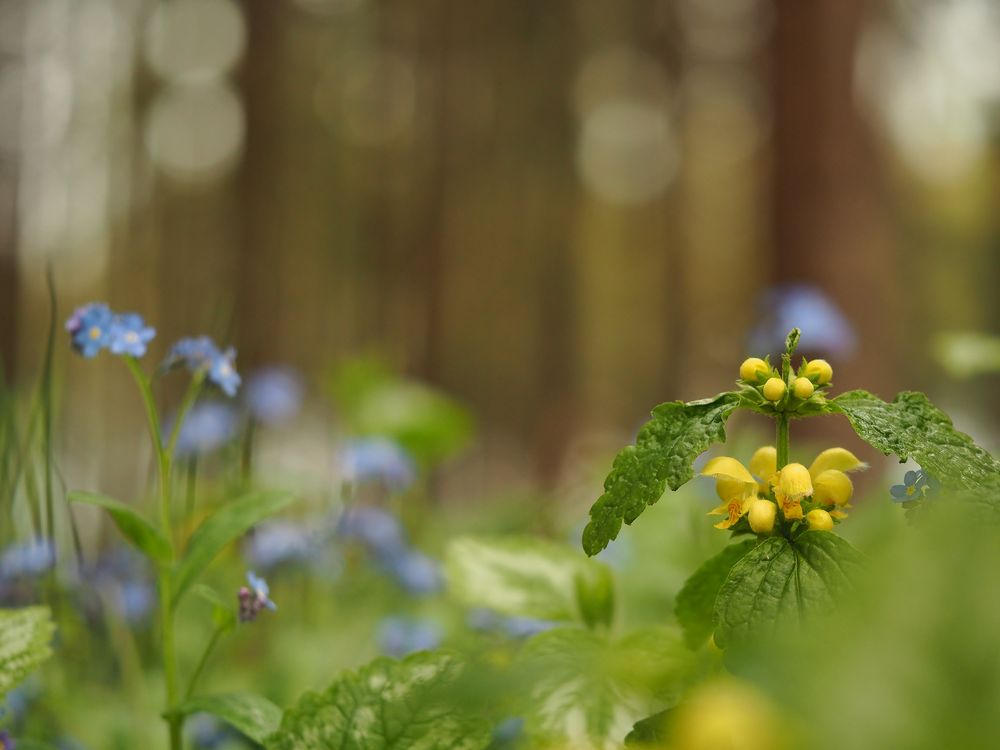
[(753, 369), (803, 388), (819, 520), (832, 487), (762, 513), (774, 389), (819, 370), (764, 465), (794, 482)]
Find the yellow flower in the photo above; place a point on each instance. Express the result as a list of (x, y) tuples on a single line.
[(774, 389), (764, 465), (753, 369), (831, 484), (819, 520), (818, 370), (793, 483), (762, 515), (803, 388), (734, 485)]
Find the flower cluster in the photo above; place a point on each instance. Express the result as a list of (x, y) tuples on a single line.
[(382, 535), (763, 494), (812, 377), (200, 354), (254, 598), (94, 327)]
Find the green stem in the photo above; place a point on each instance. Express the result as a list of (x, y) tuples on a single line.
[(782, 440), (246, 464), (190, 396), (203, 661), (165, 574), (191, 489)]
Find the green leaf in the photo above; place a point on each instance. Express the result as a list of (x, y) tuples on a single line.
[(587, 691), (778, 584), (912, 427), (403, 705), (230, 522), (695, 605), (253, 715), (529, 577), (649, 731), (662, 455), (24, 643), (792, 341), (136, 529)]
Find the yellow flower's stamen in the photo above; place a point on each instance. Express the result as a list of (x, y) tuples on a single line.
[(94, 332)]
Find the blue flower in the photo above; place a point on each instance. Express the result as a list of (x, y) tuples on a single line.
[(417, 573), (89, 328), (400, 636), (222, 372), (380, 531), (508, 733), (6, 741), (274, 395), (200, 353), (824, 327), (377, 459), (274, 543), (489, 621), (208, 426), (28, 560), (255, 598), (916, 486), (129, 335)]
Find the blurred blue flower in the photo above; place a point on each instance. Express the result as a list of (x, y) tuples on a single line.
[(824, 327), (525, 627), (222, 372), (89, 328), (126, 578), (377, 459), (255, 598), (490, 621), (201, 353), (274, 395), (28, 559), (206, 732), (274, 543), (377, 529), (400, 636), (207, 426), (416, 572), (508, 733), (6, 741), (916, 486), (129, 335)]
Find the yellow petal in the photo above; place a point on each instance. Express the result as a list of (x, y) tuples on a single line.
[(794, 482), (791, 509), (836, 458), (819, 520), (764, 462), (725, 467), (832, 487), (733, 511), (839, 514)]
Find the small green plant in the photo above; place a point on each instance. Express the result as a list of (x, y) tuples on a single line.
[(785, 563)]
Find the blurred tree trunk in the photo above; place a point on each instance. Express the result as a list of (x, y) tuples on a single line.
[(830, 226)]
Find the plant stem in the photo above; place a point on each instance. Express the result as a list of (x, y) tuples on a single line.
[(246, 463), (165, 576), (190, 396), (782, 440), (203, 661)]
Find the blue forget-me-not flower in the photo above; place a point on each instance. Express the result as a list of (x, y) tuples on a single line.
[(377, 459), (254, 598), (273, 395)]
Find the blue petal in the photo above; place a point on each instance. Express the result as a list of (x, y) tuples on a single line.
[(910, 477), (898, 491)]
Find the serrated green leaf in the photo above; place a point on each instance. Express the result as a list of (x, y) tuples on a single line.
[(662, 456), (141, 533), (792, 341), (402, 705), (912, 427), (218, 530), (253, 715), (588, 691), (695, 604), (24, 643), (779, 583), (529, 577)]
